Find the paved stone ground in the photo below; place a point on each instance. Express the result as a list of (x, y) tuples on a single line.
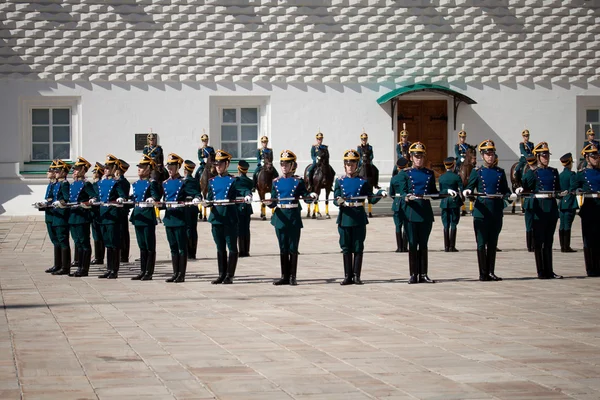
[(523, 338)]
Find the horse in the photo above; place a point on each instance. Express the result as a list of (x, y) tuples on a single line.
[(264, 182), (209, 172), (464, 171), (369, 172), (323, 176), (516, 182)]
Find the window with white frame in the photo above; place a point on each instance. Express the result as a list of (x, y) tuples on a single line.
[(592, 118), (50, 133), (240, 127)]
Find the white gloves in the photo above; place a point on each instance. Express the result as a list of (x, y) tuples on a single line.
[(452, 192), (410, 197), (467, 192), (41, 204), (313, 195), (206, 203), (150, 200), (512, 197), (564, 193), (341, 201), (248, 199), (93, 201), (58, 204), (120, 200), (462, 159), (518, 190), (196, 201), (384, 194)]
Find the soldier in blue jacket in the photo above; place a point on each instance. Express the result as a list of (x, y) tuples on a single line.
[(450, 182), (528, 209), (314, 151), (110, 195), (80, 218), (176, 193), (243, 185), (191, 185), (351, 193), (398, 209), (262, 154), (590, 139), (490, 182), (204, 153), (402, 148), (543, 183), (221, 197), (45, 206), (121, 168), (145, 192), (587, 183), (567, 206), (97, 173), (287, 218), (526, 150), (412, 184), (60, 217)]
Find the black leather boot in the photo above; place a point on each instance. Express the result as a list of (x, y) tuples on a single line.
[(76, 254), (247, 245), (79, 263), (587, 256), (548, 265), (446, 241), (57, 261), (86, 256), (491, 264), (567, 239), (453, 241), (116, 264), (98, 252), (529, 240), (222, 265), (293, 268), (539, 262), (412, 266), (143, 262), (424, 267), (483, 267), (231, 267), (65, 256), (183, 259), (347, 270), (561, 239), (175, 265), (150, 262), (398, 242), (125, 243), (284, 261), (404, 241), (191, 249), (358, 260), (109, 263)]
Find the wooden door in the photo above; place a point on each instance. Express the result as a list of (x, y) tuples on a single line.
[(427, 122)]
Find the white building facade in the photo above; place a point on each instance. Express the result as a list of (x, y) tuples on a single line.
[(83, 77)]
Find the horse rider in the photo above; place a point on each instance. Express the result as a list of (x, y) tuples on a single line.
[(528, 209), (60, 217), (590, 139), (450, 181), (155, 151), (461, 148), (145, 192), (543, 183), (204, 154), (97, 173), (366, 150), (191, 185), (262, 154), (402, 148), (587, 183), (44, 205), (314, 152), (526, 150), (175, 194), (243, 185), (287, 220), (412, 184), (567, 206), (398, 209), (224, 217), (350, 194), (492, 186)]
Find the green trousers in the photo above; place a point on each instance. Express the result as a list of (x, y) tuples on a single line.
[(146, 237), (243, 225), (81, 236), (418, 234), (289, 239), (51, 234), (487, 231), (62, 235), (566, 219), (543, 231), (111, 234), (225, 237), (450, 217), (399, 220), (96, 231), (177, 239), (352, 238), (528, 220)]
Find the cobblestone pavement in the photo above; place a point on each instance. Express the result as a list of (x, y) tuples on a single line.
[(86, 338)]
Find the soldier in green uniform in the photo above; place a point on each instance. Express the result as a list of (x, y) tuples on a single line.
[(492, 186), (120, 170), (80, 218), (350, 193), (413, 184), (450, 182), (243, 185), (204, 154), (528, 210), (221, 197), (60, 217), (155, 152), (176, 193), (287, 219), (191, 185), (402, 148), (45, 206), (543, 183), (97, 173), (567, 205), (263, 154), (146, 191), (398, 209)]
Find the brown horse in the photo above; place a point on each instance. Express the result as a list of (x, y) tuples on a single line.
[(264, 182), (516, 182), (209, 172), (369, 172), (323, 177), (464, 171)]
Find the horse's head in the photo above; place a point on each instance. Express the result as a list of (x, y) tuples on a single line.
[(268, 163), (323, 156)]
